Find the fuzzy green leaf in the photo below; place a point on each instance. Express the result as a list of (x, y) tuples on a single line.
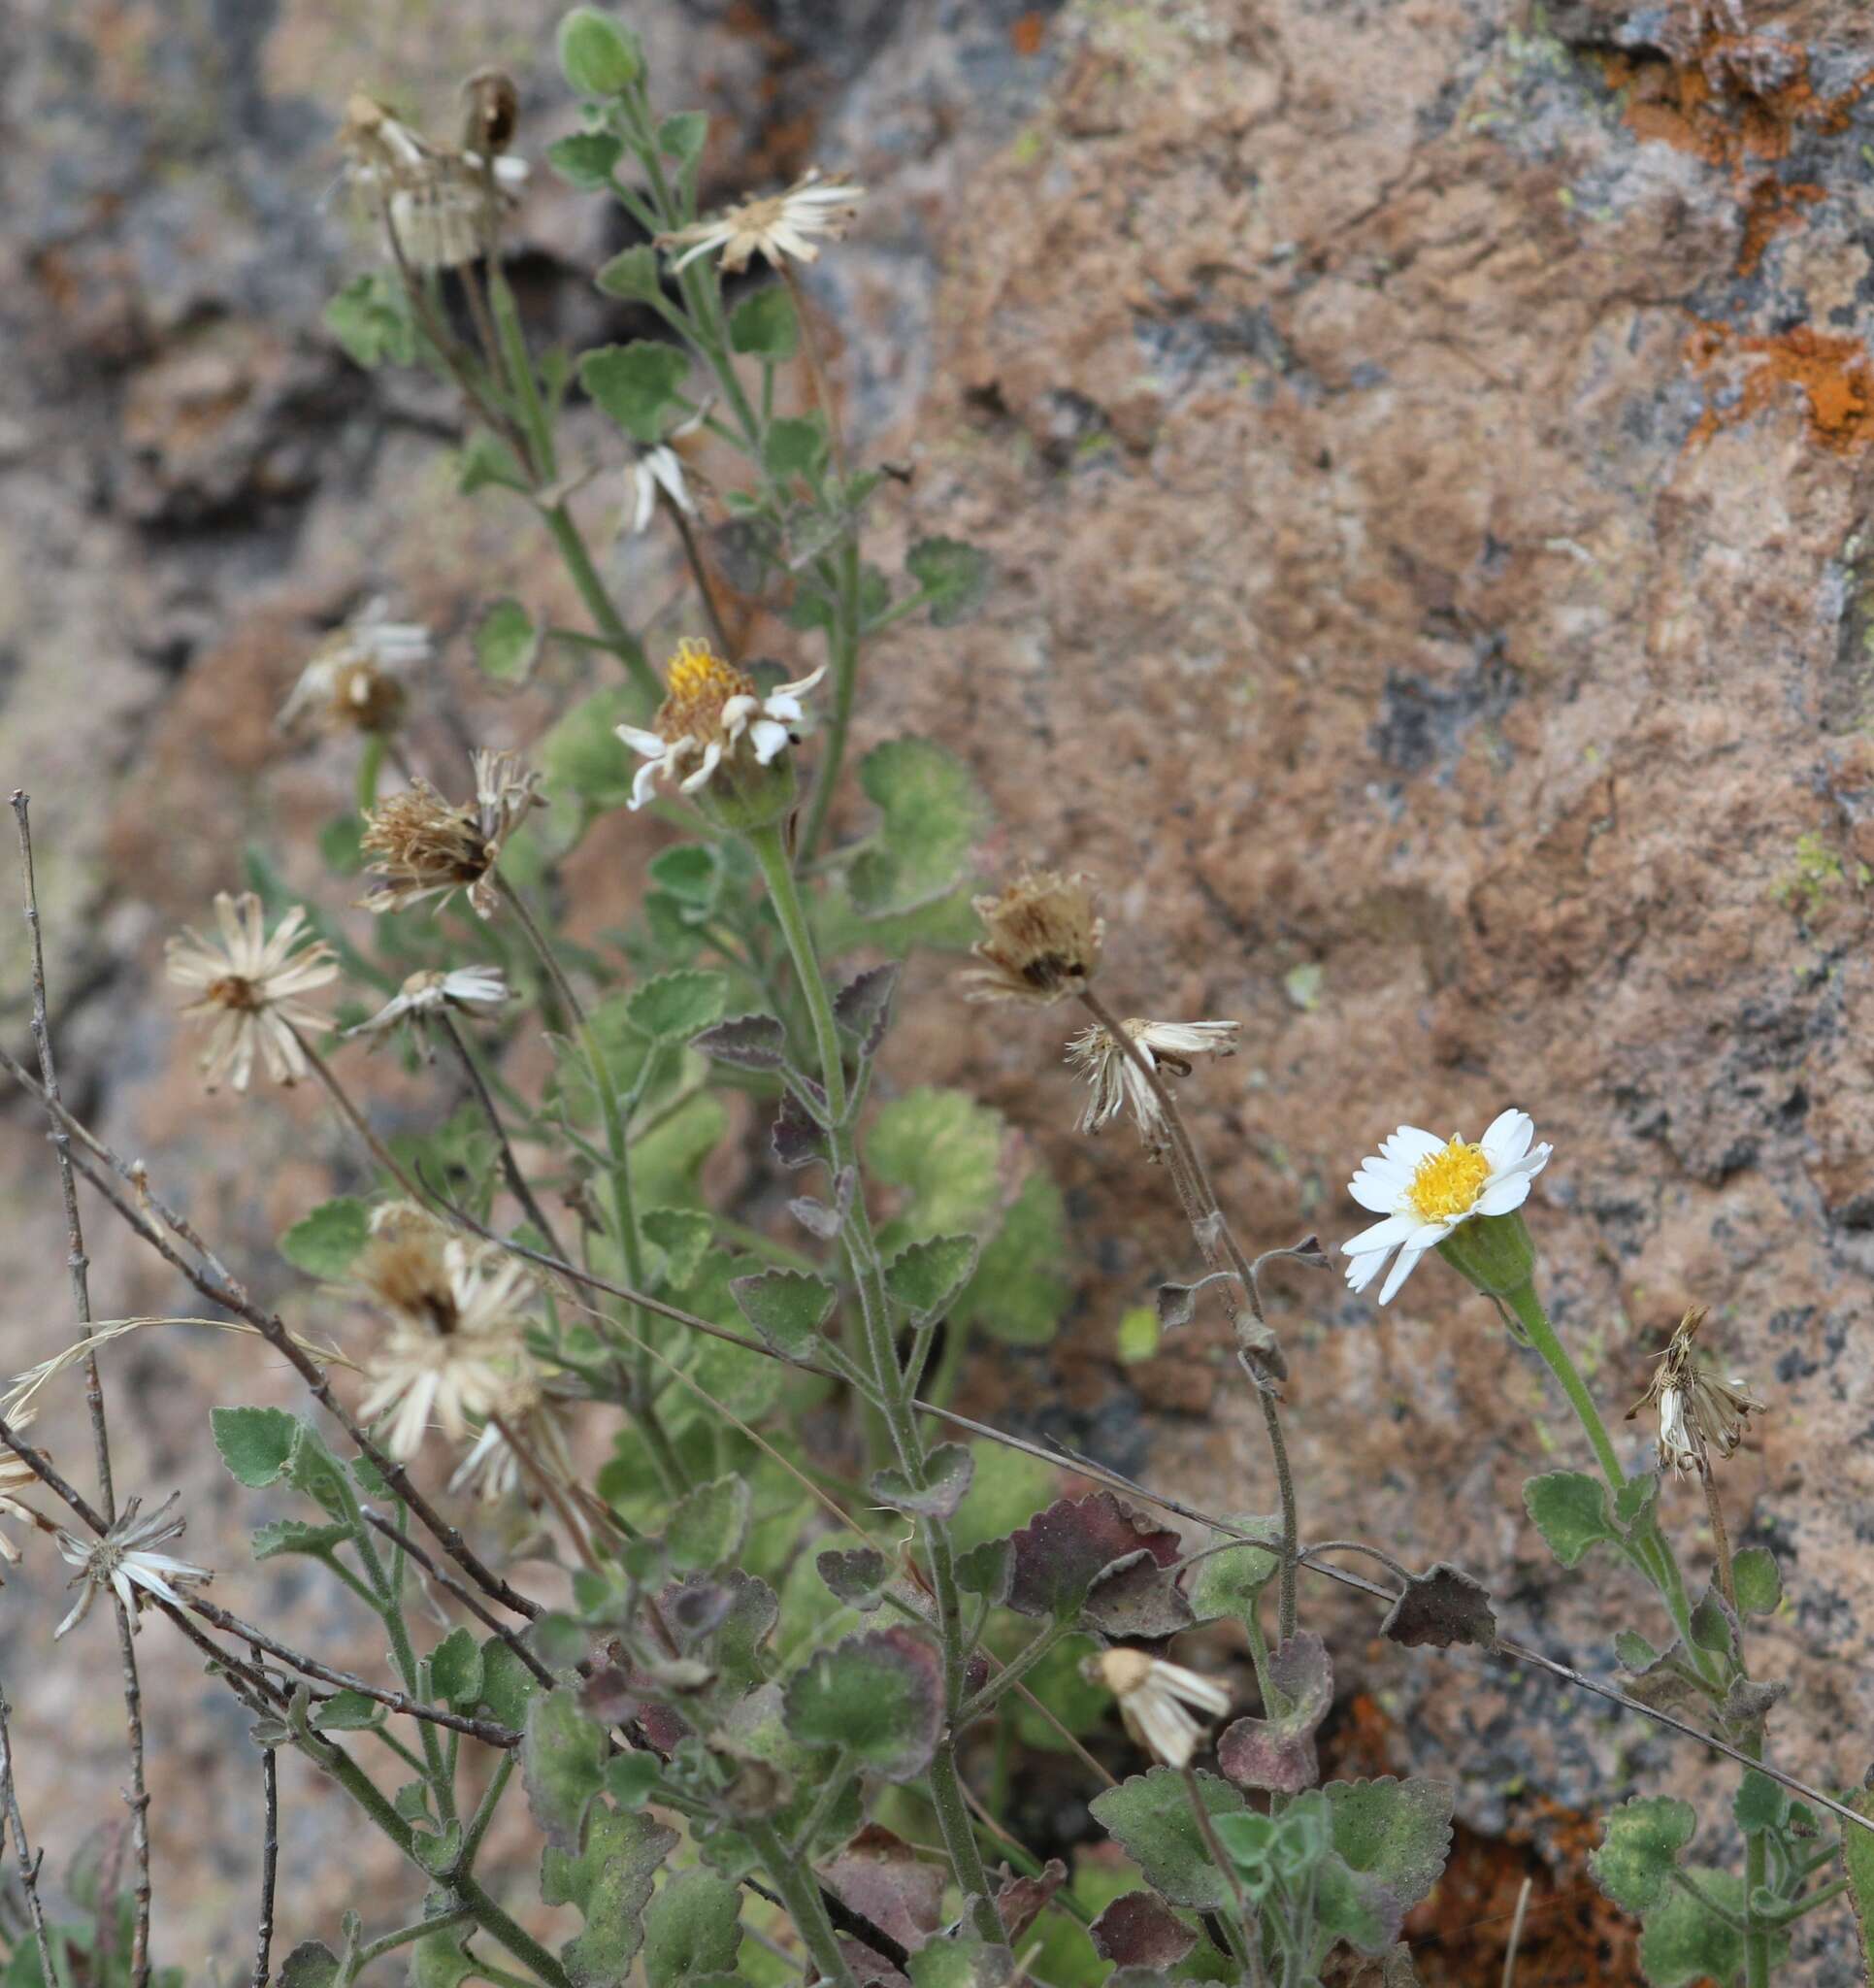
[(934, 813), (1640, 1845), (506, 643), (255, 1443), (1758, 1584), (631, 273), (1226, 1584), (944, 1150), (859, 1577), (1149, 1817), (599, 56), (1858, 1867), (796, 445), (947, 1471), (685, 1236), (315, 1473), (682, 136), (1760, 1804), (586, 159), (693, 1928), (707, 1528), (1570, 1513), (675, 1006), (955, 575), (508, 1685), (962, 1960), (879, 1696), (635, 383), (925, 1276), (787, 1308), (562, 1761), (610, 1884), (294, 1536), (1019, 1290), (1682, 1942), (325, 1242), (347, 1711), (455, 1669), (582, 755), (371, 321), (764, 325), (1397, 1832), (311, 1964)]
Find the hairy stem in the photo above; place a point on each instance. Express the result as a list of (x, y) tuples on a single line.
[(792, 1880)]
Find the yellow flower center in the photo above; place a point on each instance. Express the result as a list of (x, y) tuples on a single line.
[(701, 683), (1446, 1184)]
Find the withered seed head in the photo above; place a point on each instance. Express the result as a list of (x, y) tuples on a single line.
[(1041, 940), (492, 111)]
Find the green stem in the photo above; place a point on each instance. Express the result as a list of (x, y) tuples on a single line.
[(521, 375), (844, 646), (558, 521), (1535, 1322), (1757, 1932), (836, 1780), (1825, 1897), (791, 1877), (369, 764), (1011, 1672), (389, 1943), (785, 896), (484, 1812)]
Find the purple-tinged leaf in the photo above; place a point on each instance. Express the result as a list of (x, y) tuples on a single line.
[(1136, 1598), (948, 1470), (747, 1042), (1140, 1930), (816, 1218), (1062, 1551), (1021, 1900), (863, 1007), (880, 1876), (859, 1577), (1441, 1607), (1277, 1751), (797, 1138)]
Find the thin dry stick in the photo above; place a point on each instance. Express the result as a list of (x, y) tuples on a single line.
[(1720, 1536), (137, 1796), (28, 1863), (269, 1861), (1516, 1933), (355, 1118), (510, 1166)]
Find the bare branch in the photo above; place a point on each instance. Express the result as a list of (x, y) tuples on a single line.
[(28, 1863), (268, 1862)]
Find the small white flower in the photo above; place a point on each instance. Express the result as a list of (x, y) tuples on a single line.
[(657, 468), (1152, 1697), (774, 226), (711, 711), (352, 679), (251, 984), (125, 1560), (469, 990), (1116, 1083), (1425, 1187)]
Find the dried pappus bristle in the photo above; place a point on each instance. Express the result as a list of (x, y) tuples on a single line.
[(1700, 1411), (1041, 940), (425, 846)]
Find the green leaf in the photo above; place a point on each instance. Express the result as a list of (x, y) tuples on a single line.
[(683, 136), (859, 1577), (1640, 1845), (455, 1670), (796, 445), (709, 1526), (944, 1150), (635, 383), (439, 1959), (313, 1471), (1634, 1651), (508, 1685), (1226, 1585), (294, 1536), (1149, 1817), (1760, 1804), (506, 643), (1396, 1831), (1758, 1584), (347, 1711), (693, 1926), (599, 56), (1353, 1908), (1019, 1290), (610, 1884), (1570, 1513), (947, 1471), (691, 873), (934, 813), (787, 1308), (925, 1276), (964, 1960), (764, 325), (562, 1762), (675, 1006), (1858, 1867), (632, 1778), (255, 1443), (685, 1236), (311, 1964), (371, 322), (955, 575), (325, 1242), (485, 460), (632, 273), (878, 1696), (1682, 1942), (586, 159)]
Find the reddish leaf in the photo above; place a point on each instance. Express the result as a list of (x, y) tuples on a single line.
[(1441, 1607), (1021, 1899), (1140, 1930), (1135, 1598), (1062, 1551), (1277, 1752), (879, 1875)]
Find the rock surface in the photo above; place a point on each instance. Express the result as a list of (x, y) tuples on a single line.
[(1423, 448)]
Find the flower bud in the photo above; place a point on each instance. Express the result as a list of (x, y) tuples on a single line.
[(599, 56)]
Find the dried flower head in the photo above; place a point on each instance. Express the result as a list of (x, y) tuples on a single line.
[(1116, 1083), (352, 681), (126, 1561), (1425, 1187), (251, 984), (16, 1474), (439, 206), (1153, 1695), (1699, 1411), (1041, 940), (490, 1468), (455, 1348), (428, 848), (774, 226), (465, 990), (712, 716), (491, 111)]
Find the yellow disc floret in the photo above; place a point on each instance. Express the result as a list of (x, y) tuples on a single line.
[(1446, 1184), (701, 683)]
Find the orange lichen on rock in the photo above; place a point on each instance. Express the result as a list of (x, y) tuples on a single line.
[(1835, 375), (1771, 206)]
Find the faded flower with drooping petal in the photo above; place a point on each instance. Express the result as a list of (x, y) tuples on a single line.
[(1040, 943), (1116, 1083), (1700, 1411), (125, 1560), (1153, 1699), (16, 1474), (426, 847), (352, 681), (774, 226), (440, 207), (251, 984), (463, 990)]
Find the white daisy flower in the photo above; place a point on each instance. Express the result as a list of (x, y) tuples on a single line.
[(351, 680), (1153, 1695), (1115, 1083), (251, 984), (712, 710), (1425, 1186), (774, 226), (125, 1560), (469, 990)]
